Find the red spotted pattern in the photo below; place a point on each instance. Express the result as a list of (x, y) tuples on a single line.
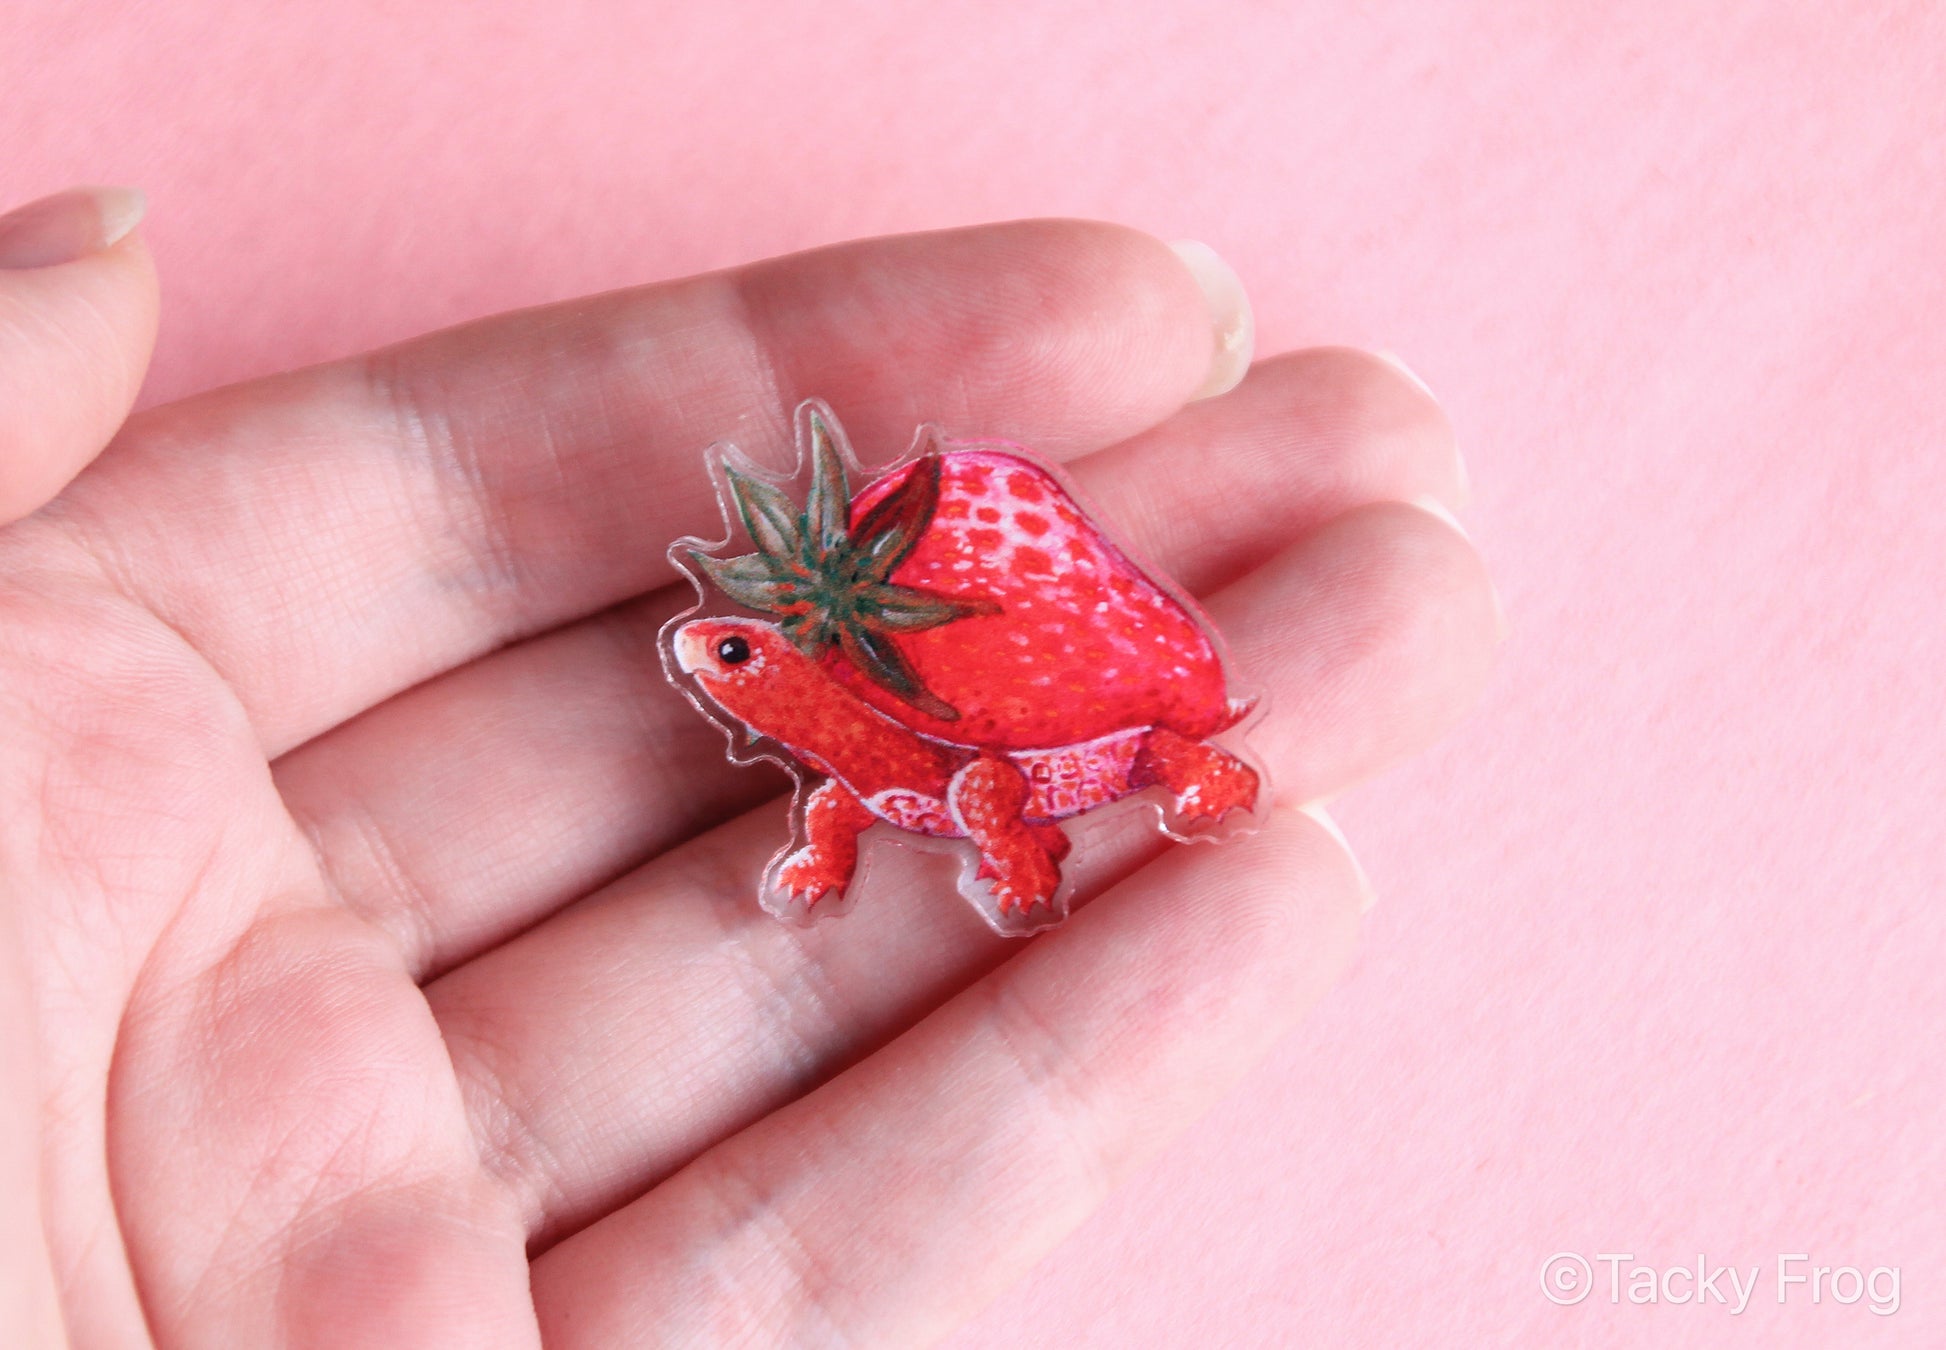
[(1085, 644)]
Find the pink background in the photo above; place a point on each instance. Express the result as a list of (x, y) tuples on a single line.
[(1657, 963)]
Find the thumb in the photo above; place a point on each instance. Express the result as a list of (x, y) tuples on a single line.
[(77, 323)]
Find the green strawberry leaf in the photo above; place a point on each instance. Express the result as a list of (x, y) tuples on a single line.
[(767, 514), (750, 580), (893, 527), (829, 584), (883, 664), (827, 508), (887, 608)]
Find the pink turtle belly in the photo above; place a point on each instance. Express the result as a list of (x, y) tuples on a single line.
[(1077, 778), (1062, 782)]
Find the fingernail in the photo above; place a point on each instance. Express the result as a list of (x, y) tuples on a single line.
[(1435, 508), (68, 225), (1367, 896), (1397, 362), (1231, 322)]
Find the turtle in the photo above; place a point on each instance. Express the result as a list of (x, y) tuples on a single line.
[(957, 650)]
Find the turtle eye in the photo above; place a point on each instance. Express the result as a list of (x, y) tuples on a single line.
[(733, 651)]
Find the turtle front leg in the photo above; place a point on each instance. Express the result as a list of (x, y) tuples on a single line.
[(833, 820), (1206, 782), (986, 798)]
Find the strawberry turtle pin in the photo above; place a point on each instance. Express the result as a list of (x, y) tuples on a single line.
[(957, 650)]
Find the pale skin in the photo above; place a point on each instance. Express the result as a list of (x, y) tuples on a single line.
[(380, 961)]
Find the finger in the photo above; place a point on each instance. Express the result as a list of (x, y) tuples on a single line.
[(459, 812), (609, 1045), (328, 538), (1307, 437), (289, 1157), (29, 1297), (77, 324), (896, 1200)]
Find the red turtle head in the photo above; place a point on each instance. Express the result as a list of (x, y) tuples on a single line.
[(753, 672), (734, 658)]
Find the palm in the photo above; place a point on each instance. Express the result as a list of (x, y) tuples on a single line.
[(389, 926)]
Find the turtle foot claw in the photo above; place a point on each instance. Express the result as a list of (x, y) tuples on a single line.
[(1205, 783), (1021, 880), (807, 876)]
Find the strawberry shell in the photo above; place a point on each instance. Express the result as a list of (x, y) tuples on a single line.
[(1084, 643)]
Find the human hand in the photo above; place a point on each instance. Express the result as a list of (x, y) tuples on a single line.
[(380, 959)]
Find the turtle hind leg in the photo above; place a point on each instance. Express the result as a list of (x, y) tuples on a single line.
[(1050, 836), (986, 798), (824, 864), (1054, 839), (1206, 783)]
